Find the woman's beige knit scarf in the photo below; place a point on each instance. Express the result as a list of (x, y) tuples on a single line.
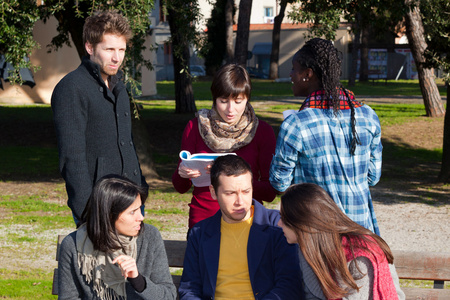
[(96, 266)]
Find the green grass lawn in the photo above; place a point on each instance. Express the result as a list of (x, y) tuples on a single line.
[(267, 89), (24, 285)]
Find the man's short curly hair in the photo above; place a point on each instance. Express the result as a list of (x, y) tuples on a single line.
[(104, 22)]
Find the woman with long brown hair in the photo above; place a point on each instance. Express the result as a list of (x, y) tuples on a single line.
[(349, 261)]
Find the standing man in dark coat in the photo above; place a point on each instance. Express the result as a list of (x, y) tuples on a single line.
[(91, 111)]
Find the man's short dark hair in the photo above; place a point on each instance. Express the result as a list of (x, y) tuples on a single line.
[(105, 22), (228, 165)]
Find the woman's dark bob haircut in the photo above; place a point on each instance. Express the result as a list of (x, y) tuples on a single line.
[(110, 196), (231, 80)]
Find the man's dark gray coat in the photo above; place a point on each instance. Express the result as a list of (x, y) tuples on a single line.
[(93, 129)]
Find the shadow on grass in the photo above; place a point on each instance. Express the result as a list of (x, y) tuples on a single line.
[(410, 175), (28, 153)]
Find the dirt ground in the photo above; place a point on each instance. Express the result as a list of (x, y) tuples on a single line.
[(420, 225)]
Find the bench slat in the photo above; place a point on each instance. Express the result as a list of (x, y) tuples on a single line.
[(175, 252), (60, 239), (422, 265), (55, 282), (426, 294)]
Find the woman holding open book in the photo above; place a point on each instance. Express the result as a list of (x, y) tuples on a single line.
[(230, 126)]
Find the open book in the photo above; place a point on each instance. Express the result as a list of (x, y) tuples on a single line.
[(200, 161)]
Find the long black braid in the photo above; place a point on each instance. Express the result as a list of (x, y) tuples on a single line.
[(325, 60)]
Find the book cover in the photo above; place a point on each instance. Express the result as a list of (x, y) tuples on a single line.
[(199, 161)]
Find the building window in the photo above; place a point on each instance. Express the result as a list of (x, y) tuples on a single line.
[(268, 15), (268, 11)]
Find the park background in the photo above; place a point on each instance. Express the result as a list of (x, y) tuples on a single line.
[(412, 208)]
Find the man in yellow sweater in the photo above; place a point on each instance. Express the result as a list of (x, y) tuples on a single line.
[(239, 253)]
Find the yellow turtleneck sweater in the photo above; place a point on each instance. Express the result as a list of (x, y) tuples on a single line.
[(233, 280)]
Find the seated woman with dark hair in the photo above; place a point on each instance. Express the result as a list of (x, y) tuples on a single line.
[(113, 255), (344, 260)]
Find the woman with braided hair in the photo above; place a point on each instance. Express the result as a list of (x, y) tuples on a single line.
[(333, 140)]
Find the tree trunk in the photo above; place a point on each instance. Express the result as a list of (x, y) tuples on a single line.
[(364, 65), (275, 54), (417, 43), (444, 175), (355, 49), (142, 142), (243, 31), (184, 95), (229, 30), (68, 21)]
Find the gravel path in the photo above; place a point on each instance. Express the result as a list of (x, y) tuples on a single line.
[(415, 226)]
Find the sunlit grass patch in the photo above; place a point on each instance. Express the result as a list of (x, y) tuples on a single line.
[(29, 204), (25, 289), (41, 222), (395, 114)]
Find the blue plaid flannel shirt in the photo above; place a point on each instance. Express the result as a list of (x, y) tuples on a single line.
[(313, 146)]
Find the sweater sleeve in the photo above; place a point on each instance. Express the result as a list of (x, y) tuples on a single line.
[(154, 267), (376, 149), (262, 189), (284, 161), (70, 117), (191, 285), (287, 274), (401, 295), (363, 278), (68, 284), (188, 142)]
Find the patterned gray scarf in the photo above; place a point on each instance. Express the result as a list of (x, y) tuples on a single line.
[(222, 137)]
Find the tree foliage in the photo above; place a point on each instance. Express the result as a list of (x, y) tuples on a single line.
[(324, 16), (18, 19), (436, 22), (367, 17)]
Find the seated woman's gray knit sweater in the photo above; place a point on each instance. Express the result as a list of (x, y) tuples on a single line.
[(151, 262)]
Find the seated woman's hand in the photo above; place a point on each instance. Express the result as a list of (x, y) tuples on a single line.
[(185, 172), (127, 265)]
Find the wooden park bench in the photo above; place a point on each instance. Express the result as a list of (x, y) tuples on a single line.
[(377, 75), (409, 264)]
